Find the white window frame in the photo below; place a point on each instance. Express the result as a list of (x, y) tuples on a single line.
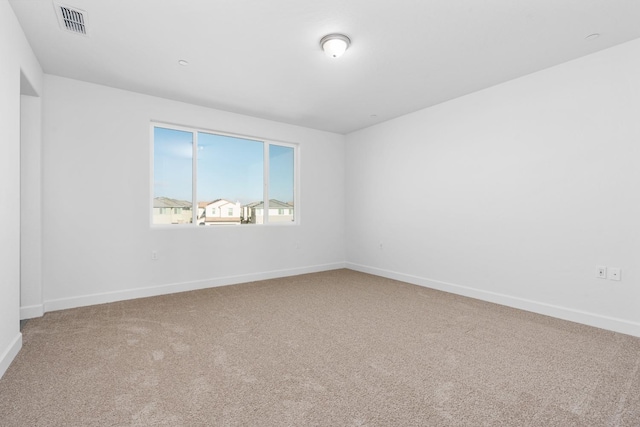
[(194, 171)]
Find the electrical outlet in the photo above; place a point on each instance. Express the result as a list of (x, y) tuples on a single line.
[(601, 271), (154, 255), (614, 273)]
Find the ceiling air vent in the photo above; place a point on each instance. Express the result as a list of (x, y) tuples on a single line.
[(71, 19)]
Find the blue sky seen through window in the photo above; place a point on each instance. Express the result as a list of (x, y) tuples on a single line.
[(227, 168), (281, 176), (172, 164)]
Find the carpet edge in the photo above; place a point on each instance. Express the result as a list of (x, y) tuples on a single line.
[(151, 291), (578, 316)]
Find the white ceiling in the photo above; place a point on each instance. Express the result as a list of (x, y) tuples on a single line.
[(262, 58)]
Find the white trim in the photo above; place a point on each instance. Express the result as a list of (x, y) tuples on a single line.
[(195, 143), (570, 314), (106, 297), (296, 185), (152, 189), (31, 311), (10, 353), (266, 162)]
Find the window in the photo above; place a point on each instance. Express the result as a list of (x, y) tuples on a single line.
[(210, 170)]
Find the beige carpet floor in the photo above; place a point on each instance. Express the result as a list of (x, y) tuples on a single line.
[(338, 348)]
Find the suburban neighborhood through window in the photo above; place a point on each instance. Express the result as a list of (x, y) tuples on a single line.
[(206, 179)]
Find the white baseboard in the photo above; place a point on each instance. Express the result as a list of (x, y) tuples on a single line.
[(31, 311), (106, 297), (10, 353), (578, 316)]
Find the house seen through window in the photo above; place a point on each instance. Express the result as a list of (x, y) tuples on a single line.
[(209, 179)]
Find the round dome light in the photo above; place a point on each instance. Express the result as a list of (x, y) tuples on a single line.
[(334, 45)]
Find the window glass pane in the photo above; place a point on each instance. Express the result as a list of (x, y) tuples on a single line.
[(230, 179), (172, 176), (281, 179)]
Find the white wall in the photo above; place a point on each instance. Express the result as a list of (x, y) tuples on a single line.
[(30, 207), (15, 55), (513, 194), (96, 156)]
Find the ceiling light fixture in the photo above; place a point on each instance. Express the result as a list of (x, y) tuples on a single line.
[(334, 45), (183, 62)]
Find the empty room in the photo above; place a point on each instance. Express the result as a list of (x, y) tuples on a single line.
[(329, 213)]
